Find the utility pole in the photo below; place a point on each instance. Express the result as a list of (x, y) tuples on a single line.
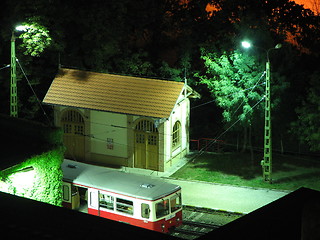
[(13, 80), (267, 156), (266, 163)]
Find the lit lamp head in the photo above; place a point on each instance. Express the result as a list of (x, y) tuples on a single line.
[(21, 28), (279, 45), (246, 44)]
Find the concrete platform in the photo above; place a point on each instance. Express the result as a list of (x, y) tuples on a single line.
[(225, 197), (216, 196)]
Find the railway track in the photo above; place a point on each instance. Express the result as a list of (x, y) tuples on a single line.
[(199, 221)]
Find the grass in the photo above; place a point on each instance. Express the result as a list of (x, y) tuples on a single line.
[(289, 172)]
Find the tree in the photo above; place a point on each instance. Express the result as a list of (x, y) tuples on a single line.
[(235, 80), (307, 127), (35, 37)]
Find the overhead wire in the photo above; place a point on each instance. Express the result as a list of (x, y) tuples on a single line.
[(262, 75), (120, 144), (293, 154), (201, 151), (34, 93), (94, 136), (228, 95)]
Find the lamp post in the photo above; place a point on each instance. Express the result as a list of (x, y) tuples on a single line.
[(266, 163), (13, 75)]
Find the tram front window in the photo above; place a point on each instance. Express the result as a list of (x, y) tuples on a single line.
[(175, 202), (162, 208)]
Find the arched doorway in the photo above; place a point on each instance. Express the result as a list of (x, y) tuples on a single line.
[(73, 134), (146, 147)]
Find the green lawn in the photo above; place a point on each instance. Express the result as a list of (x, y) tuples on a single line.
[(289, 172)]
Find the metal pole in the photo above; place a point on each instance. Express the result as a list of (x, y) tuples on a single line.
[(13, 81), (267, 161)]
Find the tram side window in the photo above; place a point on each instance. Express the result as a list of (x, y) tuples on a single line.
[(145, 210), (175, 202), (74, 190), (162, 208), (65, 190), (106, 201), (125, 206)]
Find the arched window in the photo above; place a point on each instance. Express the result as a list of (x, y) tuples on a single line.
[(176, 135), (72, 122)]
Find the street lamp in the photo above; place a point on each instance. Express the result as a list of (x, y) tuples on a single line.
[(246, 44), (266, 163), (13, 76)]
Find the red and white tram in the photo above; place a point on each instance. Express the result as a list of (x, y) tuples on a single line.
[(130, 198)]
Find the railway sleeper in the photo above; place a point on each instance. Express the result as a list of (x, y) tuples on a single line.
[(200, 224)]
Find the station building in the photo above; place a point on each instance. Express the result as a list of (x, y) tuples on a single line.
[(121, 120)]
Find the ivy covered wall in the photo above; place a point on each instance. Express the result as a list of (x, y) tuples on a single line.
[(38, 178), (31, 160)]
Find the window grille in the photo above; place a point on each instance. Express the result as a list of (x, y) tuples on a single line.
[(176, 135), (146, 126), (72, 116)]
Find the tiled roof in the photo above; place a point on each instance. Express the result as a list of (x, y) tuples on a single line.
[(114, 93)]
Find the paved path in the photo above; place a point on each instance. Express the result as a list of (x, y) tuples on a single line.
[(216, 196), (225, 197)]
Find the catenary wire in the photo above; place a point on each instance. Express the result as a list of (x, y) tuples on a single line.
[(201, 151), (34, 93), (262, 75), (228, 95)]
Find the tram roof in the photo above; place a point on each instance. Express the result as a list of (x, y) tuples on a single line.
[(129, 184)]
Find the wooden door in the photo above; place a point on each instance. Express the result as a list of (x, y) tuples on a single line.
[(152, 153), (146, 146), (140, 150), (74, 135)]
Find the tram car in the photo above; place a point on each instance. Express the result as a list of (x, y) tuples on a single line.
[(130, 198)]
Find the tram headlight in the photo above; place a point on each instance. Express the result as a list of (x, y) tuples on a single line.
[(178, 219), (163, 227)]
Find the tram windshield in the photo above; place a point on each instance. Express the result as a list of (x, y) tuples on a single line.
[(162, 208), (168, 205), (175, 202)]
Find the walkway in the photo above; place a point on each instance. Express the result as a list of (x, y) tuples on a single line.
[(216, 196), (225, 197)]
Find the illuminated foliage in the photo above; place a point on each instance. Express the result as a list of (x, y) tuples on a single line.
[(235, 81), (35, 38)]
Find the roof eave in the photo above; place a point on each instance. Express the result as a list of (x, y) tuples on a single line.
[(99, 110)]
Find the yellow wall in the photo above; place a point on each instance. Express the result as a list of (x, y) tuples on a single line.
[(108, 133), (179, 113), (119, 129)]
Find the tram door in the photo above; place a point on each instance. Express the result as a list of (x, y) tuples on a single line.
[(75, 197), (146, 147), (70, 197)]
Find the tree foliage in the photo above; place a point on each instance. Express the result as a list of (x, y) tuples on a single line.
[(35, 38), (163, 38), (307, 127), (236, 82)]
